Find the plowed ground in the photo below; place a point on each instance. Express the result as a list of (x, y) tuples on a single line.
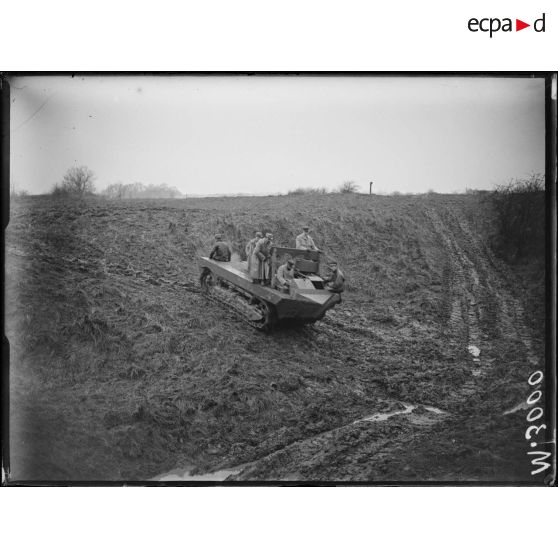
[(122, 370)]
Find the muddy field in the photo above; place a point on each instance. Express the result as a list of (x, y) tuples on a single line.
[(122, 370)]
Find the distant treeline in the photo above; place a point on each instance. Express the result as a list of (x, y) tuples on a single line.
[(139, 190), (348, 187), (79, 181)]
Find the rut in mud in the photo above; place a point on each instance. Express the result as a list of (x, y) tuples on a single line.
[(480, 313), (123, 370)]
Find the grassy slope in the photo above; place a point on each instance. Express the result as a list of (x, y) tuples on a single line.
[(122, 370)]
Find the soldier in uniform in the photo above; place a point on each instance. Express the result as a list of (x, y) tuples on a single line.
[(261, 272), (304, 241), (285, 275), (221, 251), (250, 248), (335, 282)]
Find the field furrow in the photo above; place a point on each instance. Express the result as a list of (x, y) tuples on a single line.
[(122, 370)]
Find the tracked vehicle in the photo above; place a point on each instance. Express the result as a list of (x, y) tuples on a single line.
[(263, 306)]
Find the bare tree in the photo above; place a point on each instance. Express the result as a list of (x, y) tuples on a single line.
[(348, 187), (77, 181)]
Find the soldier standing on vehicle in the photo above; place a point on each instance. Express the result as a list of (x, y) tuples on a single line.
[(221, 251), (335, 282), (250, 249), (261, 272), (285, 276), (304, 241)]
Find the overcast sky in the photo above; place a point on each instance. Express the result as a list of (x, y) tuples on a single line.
[(269, 134)]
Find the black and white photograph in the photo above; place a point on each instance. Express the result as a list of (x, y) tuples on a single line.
[(279, 278)]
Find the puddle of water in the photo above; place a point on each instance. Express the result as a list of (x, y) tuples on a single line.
[(475, 351), (434, 410), (182, 475), (379, 417), (520, 407)]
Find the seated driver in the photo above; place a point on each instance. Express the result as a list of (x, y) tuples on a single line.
[(285, 275)]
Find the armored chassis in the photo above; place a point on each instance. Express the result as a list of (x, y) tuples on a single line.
[(263, 306)]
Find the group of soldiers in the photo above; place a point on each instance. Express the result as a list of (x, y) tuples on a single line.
[(258, 254)]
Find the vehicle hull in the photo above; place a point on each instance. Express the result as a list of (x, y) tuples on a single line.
[(301, 304)]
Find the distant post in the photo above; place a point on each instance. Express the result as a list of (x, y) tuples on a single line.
[(371, 187)]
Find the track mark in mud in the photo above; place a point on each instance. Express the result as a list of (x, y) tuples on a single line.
[(335, 326), (510, 314), (347, 446), (478, 306), (414, 414), (462, 286)]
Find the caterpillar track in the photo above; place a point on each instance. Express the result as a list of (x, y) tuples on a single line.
[(248, 308), (305, 301)]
